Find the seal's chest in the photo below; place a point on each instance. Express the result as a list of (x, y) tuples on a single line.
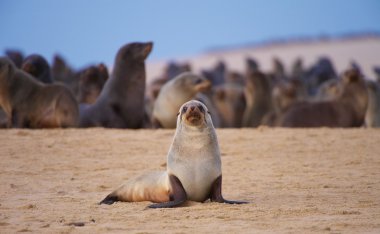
[(197, 178)]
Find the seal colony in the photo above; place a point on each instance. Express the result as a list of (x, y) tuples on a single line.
[(30, 103), (194, 169)]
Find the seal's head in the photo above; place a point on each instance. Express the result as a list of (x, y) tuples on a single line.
[(35, 65), (194, 113), (190, 84), (136, 51)]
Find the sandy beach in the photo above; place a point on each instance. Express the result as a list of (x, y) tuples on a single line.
[(297, 181)]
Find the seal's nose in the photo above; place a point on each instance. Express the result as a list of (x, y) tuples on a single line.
[(192, 108)]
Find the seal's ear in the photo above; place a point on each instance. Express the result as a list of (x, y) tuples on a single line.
[(177, 113)]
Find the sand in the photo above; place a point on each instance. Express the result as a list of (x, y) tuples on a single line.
[(297, 181)]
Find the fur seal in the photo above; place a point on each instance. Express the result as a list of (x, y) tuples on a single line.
[(348, 110), (258, 98), (91, 82), (16, 56), (38, 67), (193, 171), (174, 69), (230, 102), (217, 74), (320, 72), (30, 103), (284, 94), (329, 90), (173, 94), (63, 73), (121, 102)]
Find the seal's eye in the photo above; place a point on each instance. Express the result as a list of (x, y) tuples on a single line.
[(184, 109), (198, 81), (200, 107)]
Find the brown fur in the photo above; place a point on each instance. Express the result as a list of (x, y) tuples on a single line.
[(16, 56), (258, 99), (29, 103), (284, 94), (91, 82), (348, 110), (63, 73), (38, 67), (235, 78), (121, 102), (230, 101), (329, 90)]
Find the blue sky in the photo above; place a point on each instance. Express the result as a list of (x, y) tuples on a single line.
[(91, 31)]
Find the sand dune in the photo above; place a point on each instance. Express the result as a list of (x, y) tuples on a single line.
[(365, 50), (303, 181)]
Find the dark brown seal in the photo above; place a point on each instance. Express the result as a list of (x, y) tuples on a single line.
[(258, 98), (38, 67), (121, 102), (91, 82)]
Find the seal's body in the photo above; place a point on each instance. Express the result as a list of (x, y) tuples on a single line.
[(121, 101), (31, 104), (193, 166)]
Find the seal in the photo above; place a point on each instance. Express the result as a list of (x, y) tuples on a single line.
[(16, 56), (29, 103), (63, 73), (121, 101), (217, 74), (38, 67), (347, 110), (91, 82), (230, 102), (258, 98), (193, 171), (173, 94)]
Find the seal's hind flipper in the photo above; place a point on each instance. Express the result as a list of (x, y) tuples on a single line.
[(177, 194), (109, 200), (216, 193)]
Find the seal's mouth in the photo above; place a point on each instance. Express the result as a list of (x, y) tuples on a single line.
[(193, 117), (193, 114)]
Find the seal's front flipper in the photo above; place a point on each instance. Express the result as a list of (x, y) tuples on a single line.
[(177, 194), (216, 193)]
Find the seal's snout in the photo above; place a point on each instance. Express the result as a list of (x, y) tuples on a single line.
[(147, 49), (193, 113)]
